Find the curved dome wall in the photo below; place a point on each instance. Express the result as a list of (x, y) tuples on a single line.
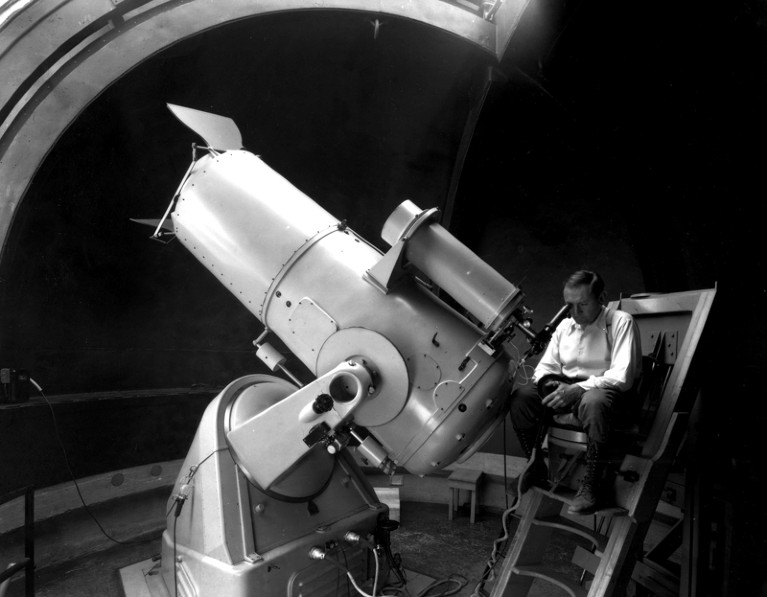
[(58, 56), (354, 115)]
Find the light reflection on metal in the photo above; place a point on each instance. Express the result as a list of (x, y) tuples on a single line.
[(11, 8)]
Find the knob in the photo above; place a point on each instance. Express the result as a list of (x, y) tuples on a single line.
[(322, 403)]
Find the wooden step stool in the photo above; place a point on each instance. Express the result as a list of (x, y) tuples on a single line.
[(463, 478)]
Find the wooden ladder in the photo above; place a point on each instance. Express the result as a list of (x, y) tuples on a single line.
[(610, 559)]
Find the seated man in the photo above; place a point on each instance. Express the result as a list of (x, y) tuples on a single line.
[(589, 369)]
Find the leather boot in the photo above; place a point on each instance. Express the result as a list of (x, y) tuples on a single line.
[(587, 499), (535, 473)]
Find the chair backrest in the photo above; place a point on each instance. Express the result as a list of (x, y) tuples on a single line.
[(670, 327)]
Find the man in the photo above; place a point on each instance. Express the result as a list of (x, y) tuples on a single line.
[(589, 369)]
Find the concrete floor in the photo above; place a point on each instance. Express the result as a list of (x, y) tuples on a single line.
[(427, 542), (431, 544)]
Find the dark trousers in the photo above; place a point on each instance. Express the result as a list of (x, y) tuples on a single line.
[(596, 411)]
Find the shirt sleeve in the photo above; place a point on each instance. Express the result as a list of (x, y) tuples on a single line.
[(625, 358), (550, 362)]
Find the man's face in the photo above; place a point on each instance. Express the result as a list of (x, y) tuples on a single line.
[(584, 306)]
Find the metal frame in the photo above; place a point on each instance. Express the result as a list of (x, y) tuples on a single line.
[(27, 563)]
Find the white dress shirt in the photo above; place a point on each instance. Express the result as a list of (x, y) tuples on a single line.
[(606, 353)]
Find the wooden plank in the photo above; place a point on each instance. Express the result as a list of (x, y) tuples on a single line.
[(570, 586), (585, 559), (679, 381), (610, 573), (659, 582), (528, 546), (564, 524)]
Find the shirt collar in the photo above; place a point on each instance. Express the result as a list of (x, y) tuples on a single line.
[(599, 323)]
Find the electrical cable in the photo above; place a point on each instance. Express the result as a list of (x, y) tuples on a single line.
[(499, 543), (351, 577), (505, 479), (521, 367), (346, 578), (524, 371), (71, 473), (178, 504), (192, 472), (456, 579), (395, 564), (497, 551)]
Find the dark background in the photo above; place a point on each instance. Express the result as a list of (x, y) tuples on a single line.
[(621, 137)]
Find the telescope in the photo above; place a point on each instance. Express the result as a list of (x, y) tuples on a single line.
[(272, 488)]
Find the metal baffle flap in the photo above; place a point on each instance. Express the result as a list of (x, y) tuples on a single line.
[(219, 132)]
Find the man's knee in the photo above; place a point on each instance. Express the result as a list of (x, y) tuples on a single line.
[(595, 413), (525, 407), (596, 401)]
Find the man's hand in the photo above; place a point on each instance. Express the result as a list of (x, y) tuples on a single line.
[(563, 397)]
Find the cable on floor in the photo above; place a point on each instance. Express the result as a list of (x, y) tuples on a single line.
[(72, 475)]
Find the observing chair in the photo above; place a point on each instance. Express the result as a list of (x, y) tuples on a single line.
[(567, 440), (671, 326)]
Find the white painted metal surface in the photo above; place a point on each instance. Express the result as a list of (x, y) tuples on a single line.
[(302, 273)]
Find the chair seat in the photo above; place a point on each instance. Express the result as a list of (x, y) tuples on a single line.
[(567, 428)]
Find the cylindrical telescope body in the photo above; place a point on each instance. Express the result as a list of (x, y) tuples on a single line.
[(295, 267), (452, 266), (244, 222)]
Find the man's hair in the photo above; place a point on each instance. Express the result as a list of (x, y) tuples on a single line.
[(588, 278)]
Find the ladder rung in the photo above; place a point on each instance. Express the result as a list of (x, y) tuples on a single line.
[(563, 494), (659, 581), (583, 558), (544, 573), (560, 522)]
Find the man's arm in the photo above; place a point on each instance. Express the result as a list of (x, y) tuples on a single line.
[(550, 363)]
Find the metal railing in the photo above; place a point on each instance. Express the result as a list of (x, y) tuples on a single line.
[(27, 563)]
